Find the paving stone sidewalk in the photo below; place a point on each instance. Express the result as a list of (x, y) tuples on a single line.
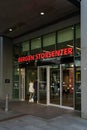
[(27, 116)]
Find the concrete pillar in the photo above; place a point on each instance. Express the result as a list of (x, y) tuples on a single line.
[(84, 59), (1, 67)]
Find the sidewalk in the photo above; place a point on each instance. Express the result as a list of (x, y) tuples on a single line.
[(17, 109), (29, 116)]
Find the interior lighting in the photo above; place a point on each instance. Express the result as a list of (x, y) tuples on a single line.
[(76, 47), (72, 65), (72, 28), (10, 30), (42, 13)]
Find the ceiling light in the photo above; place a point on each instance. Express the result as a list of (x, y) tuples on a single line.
[(42, 13), (72, 28), (10, 29)]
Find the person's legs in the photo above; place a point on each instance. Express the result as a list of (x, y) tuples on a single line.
[(30, 96)]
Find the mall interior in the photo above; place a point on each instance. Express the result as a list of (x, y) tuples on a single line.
[(45, 41)]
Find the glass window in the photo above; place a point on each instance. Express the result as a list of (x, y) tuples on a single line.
[(77, 83), (25, 48), (65, 35), (49, 39), (65, 38), (15, 81), (16, 51), (49, 42), (77, 43), (77, 31), (36, 43)]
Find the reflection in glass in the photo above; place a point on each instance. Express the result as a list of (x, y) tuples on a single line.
[(42, 85), (55, 85), (36, 45), (77, 84), (65, 38), (77, 43), (67, 85), (24, 48), (62, 85)]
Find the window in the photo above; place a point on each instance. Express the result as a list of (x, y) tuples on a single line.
[(25, 48), (77, 31), (16, 50), (35, 43), (49, 39), (65, 38), (65, 35), (77, 43), (49, 42), (77, 83)]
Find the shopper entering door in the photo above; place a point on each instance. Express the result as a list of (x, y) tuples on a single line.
[(31, 91)]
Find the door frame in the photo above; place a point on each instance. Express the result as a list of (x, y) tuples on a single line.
[(48, 87), (22, 84), (47, 84)]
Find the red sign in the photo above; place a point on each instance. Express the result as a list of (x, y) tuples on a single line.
[(45, 55)]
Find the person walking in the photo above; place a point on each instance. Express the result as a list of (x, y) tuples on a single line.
[(31, 91)]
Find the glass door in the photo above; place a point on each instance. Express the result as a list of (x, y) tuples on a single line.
[(31, 74), (62, 85), (22, 84), (67, 78), (43, 84), (55, 84)]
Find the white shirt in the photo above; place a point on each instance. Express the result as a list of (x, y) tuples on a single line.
[(31, 87)]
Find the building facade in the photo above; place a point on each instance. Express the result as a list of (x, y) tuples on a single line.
[(55, 57)]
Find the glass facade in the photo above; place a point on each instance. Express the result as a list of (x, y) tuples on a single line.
[(16, 52), (49, 42), (64, 38), (77, 62), (25, 48), (77, 41), (35, 45)]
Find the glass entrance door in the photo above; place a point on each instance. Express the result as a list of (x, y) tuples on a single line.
[(43, 85), (67, 84), (62, 85), (22, 84), (56, 85)]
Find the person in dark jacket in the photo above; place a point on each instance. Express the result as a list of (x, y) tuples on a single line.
[(35, 88)]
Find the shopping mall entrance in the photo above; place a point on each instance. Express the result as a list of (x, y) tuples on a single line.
[(55, 84)]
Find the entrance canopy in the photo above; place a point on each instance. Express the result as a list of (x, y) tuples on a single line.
[(18, 17)]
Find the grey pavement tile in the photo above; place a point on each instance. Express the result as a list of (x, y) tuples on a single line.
[(29, 122), (48, 127), (33, 121), (23, 122), (17, 128), (70, 123), (78, 127), (30, 127), (11, 123), (3, 128)]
